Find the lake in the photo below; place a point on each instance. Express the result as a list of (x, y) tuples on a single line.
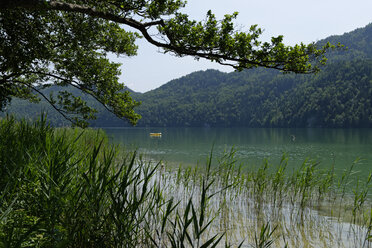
[(191, 146), (242, 209)]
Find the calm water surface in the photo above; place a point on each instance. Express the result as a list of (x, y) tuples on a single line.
[(189, 146)]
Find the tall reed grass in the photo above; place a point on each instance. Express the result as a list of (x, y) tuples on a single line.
[(71, 188)]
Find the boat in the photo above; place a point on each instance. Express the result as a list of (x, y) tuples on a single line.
[(155, 134)]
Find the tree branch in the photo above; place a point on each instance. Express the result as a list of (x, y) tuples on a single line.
[(47, 99), (74, 84), (143, 28)]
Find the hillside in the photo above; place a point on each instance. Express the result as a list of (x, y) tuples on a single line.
[(358, 43), (338, 96)]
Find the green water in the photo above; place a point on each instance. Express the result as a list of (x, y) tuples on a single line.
[(189, 146)]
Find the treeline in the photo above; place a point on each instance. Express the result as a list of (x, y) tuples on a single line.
[(338, 96)]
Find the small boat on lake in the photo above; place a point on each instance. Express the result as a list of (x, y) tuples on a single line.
[(155, 134)]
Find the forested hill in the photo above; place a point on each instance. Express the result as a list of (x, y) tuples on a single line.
[(358, 43), (339, 96)]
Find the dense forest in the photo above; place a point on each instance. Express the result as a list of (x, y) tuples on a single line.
[(339, 96)]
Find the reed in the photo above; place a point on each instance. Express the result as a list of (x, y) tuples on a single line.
[(71, 188), (309, 205)]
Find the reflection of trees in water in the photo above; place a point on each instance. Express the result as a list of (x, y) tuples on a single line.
[(190, 145)]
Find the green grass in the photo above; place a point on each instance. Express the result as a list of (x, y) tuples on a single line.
[(70, 188)]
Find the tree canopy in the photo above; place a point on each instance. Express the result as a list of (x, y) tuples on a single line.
[(339, 96), (67, 42)]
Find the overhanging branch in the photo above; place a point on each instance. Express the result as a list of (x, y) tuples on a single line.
[(46, 99), (76, 85), (235, 62)]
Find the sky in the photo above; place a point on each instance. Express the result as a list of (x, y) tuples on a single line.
[(298, 20)]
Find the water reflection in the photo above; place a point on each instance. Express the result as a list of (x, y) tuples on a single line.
[(188, 146)]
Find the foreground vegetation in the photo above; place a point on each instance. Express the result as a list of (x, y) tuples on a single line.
[(70, 188)]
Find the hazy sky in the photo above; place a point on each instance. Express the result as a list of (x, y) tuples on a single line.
[(298, 20)]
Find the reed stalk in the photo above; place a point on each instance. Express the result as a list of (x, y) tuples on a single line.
[(71, 188)]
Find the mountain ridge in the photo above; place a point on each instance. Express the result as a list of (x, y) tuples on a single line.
[(260, 97)]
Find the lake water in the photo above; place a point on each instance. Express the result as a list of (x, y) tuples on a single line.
[(190, 146)]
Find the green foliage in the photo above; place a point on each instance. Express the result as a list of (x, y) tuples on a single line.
[(66, 43), (43, 48), (339, 96), (70, 188), (265, 238)]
